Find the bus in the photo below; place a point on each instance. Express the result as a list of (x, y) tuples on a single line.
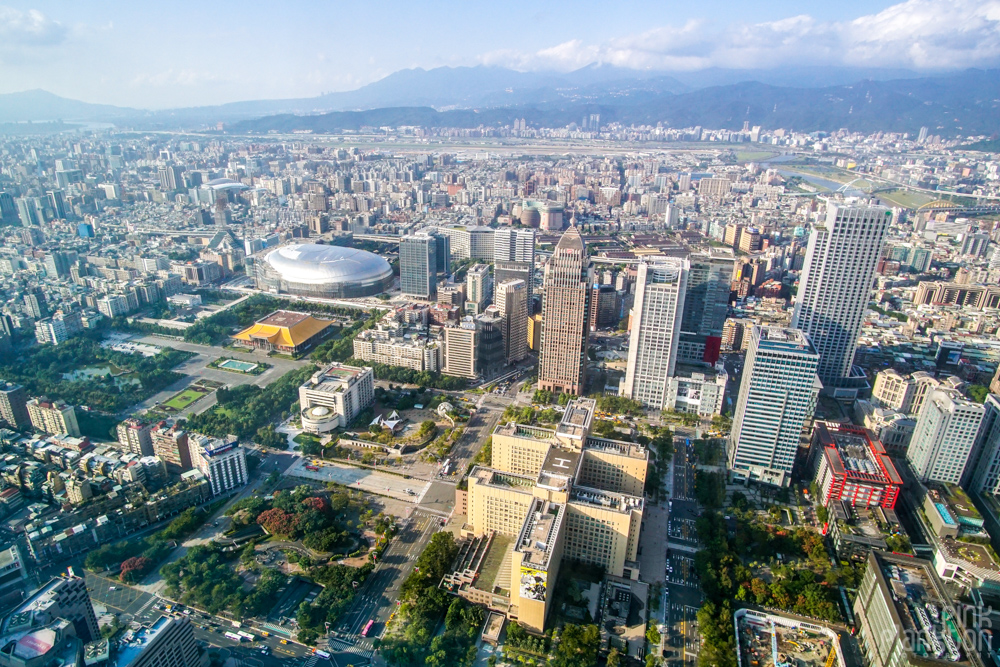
[(368, 628), (322, 654), (246, 635), (235, 637)]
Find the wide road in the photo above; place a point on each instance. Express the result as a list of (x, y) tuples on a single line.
[(376, 598)]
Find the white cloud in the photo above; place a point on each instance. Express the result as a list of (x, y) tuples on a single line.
[(919, 34), (31, 28)]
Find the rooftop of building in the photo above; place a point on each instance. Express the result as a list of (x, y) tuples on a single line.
[(284, 328), (618, 502), (134, 642), (923, 609), (785, 336), (334, 378), (538, 534), (559, 468), (852, 452), (629, 449), (576, 419), (498, 478), (954, 505)]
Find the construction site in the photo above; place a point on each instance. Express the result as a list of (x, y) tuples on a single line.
[(771, 640)]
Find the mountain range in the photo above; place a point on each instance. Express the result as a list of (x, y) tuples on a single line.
[(806, 99)]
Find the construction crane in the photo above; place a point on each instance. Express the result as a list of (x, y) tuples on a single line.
[(774, 648), (830, 659)]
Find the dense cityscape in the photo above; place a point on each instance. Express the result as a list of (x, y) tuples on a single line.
[(597, 393)]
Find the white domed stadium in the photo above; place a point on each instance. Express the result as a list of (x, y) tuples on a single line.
[(309, 269)]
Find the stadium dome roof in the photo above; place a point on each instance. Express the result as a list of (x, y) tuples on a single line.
[(313, 264)]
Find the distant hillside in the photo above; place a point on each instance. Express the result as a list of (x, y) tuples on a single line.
[(964, 103), (40, 105), (957, 103), (986, 146)]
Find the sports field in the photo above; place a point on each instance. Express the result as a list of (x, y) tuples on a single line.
[(183, 399)]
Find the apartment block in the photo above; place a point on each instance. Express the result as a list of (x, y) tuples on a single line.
[(53, 417)]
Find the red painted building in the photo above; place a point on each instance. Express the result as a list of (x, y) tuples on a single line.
[(850, 465)]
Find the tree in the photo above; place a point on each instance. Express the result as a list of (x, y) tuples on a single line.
[(614, 658), (133, 568), (578, 645), (653, 635)]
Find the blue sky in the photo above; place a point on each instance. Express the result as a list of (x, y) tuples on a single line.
[(183, 53)]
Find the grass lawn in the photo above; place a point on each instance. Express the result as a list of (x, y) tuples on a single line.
[(754, 156), (303, 438), (905, 198), (183, 399)]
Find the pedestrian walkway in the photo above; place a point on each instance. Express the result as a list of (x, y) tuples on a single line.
[(271, 627)]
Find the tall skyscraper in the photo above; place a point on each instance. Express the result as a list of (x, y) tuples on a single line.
[(35, 304), (8, 209), (461, 349), (985, 474), (514, 245), (503, 271), (944, 439), (511, 299), (565, 317), (706, 304), (14, 406), (27, 212), (478, 288), (656, 323), (418, 264), (777, 396), (490, 356), (835, 284)]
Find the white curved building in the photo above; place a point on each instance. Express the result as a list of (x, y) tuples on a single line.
[(310, 269), (334, 396)]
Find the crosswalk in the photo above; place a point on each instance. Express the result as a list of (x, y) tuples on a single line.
[(363, 649)]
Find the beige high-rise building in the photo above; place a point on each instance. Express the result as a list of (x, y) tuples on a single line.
[(511, 300), (460, 349), (552, 494), (53, 417), (565, 317)]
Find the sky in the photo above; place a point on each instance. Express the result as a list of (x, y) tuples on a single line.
[(191, 53)]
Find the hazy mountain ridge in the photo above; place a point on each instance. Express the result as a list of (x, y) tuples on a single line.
[(968, 103), (874, 99)]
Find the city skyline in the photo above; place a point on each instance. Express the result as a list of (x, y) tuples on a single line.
[(218, 56)]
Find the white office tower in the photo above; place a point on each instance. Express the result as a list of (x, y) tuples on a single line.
[(985, 474), (478, 288), (945, 436), (222, 461), (656, 325), (834, 288), (514, 245), (777, 397), (511, 300)]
